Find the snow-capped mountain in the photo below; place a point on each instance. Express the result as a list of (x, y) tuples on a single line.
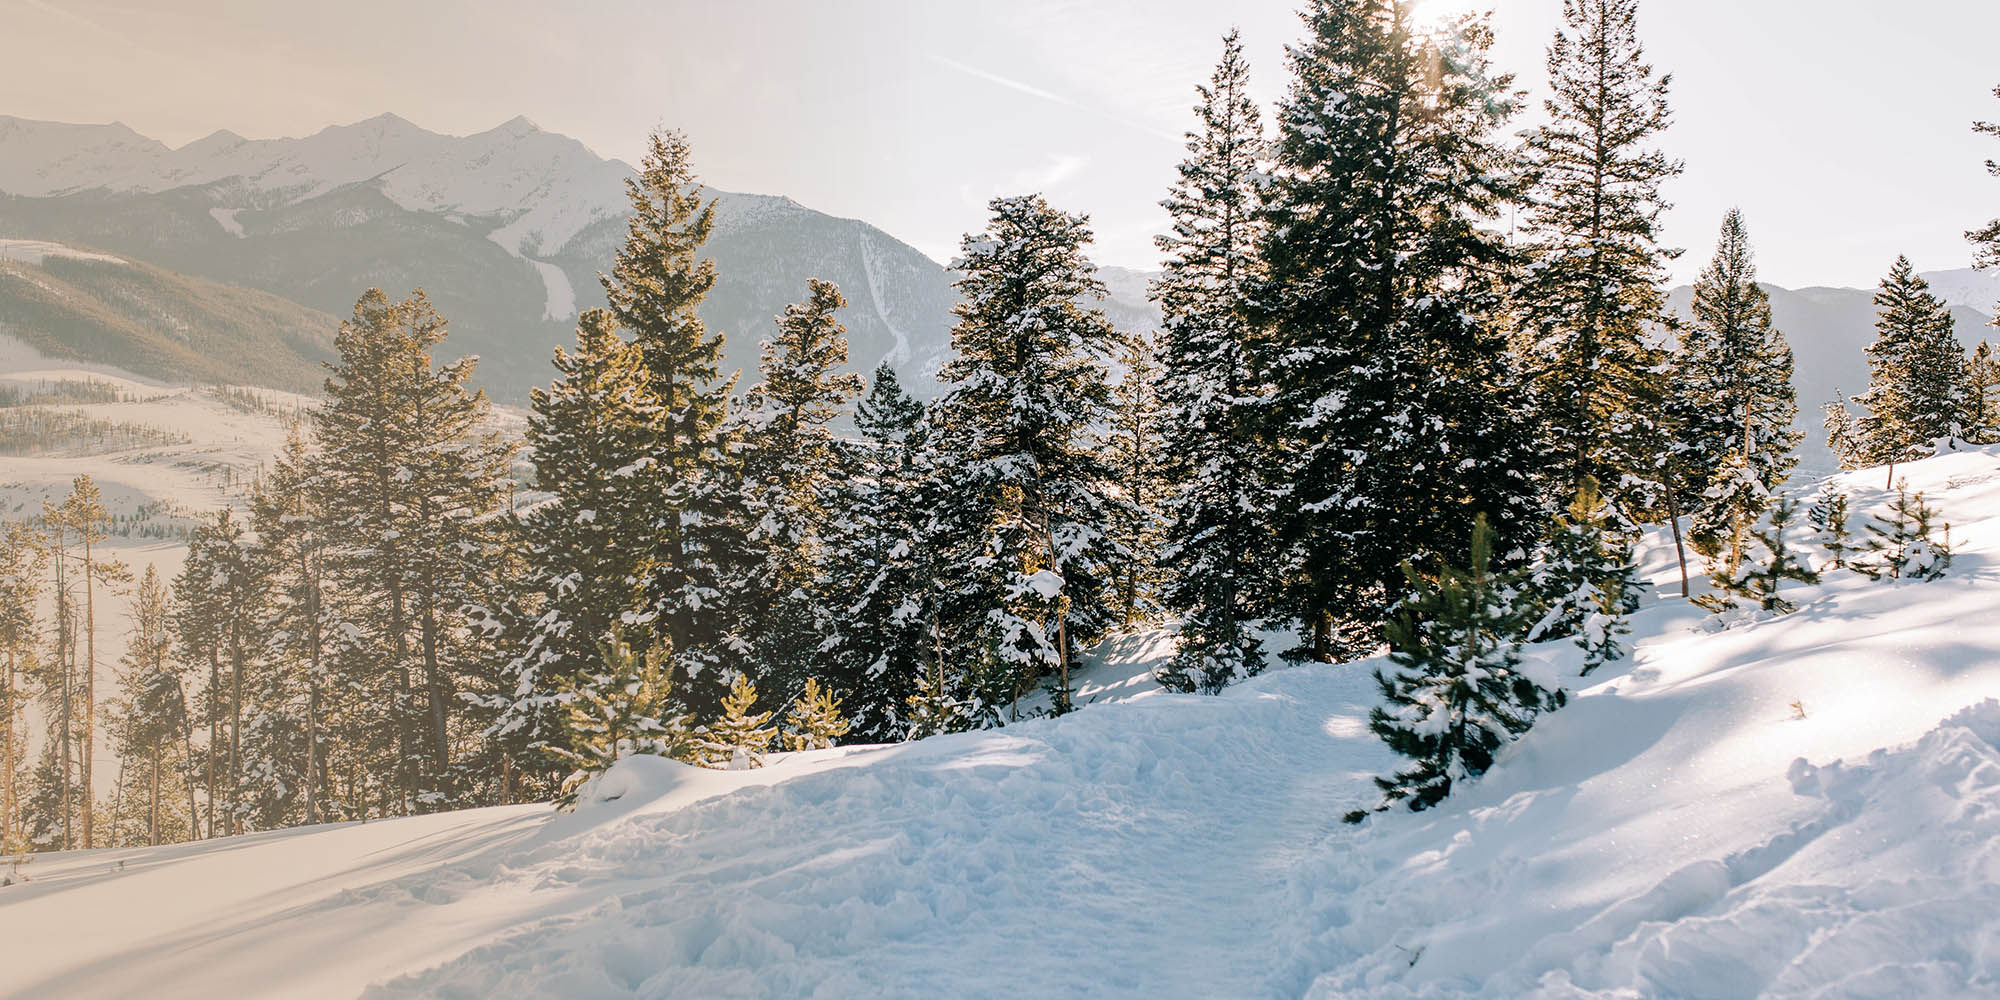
[(506, 229)]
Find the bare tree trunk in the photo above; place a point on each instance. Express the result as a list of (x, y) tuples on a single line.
[(89, 683), (153, 801), (1674, 518)]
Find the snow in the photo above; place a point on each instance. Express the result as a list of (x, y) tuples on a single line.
[(226, 218), (1677, 830), (36, 251)]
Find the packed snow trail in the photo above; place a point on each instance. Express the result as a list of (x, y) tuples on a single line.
[(1807, 806)]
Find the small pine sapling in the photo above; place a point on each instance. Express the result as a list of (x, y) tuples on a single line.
[(814, 722), (739, 740), (1456, 695), (1906, 544), (618, 712), (1828, 516), (1583, 580), (1763, 580)]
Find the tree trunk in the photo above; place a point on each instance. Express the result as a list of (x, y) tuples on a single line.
[(89, 685), (1674, 518), (153, 800)]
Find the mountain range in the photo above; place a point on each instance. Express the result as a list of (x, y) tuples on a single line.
[(507, 231)]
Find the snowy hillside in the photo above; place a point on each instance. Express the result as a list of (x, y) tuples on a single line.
[(1809, 806)]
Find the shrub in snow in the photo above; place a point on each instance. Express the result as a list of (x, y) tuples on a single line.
[(1828, 517), (815, 722), (1907, 543), (1457, 694)]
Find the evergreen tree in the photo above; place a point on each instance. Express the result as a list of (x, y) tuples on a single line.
[(1215, 457), (1843, 436), (619, 709), (1593, 291), (740, 738), (1828, 516), (413, 483), (1906, 544), (153, 720), (82, 517), (591, 434), (1765, 562), (1455, 695), (1987, 237), (1917, 372), (814, 722), (1734, 399), (1135, 462), (287, 516), (694, 552), (1394, 409), (790, 466), (880, 566), (1031, 519), (1584, 581), (1980, 420), (218, 601), (22, 560)]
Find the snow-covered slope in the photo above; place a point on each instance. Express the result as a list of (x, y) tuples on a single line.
[(1680, 830)]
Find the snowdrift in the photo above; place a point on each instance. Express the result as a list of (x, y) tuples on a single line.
[(1806, 806)]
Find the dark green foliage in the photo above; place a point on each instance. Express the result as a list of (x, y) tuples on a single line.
[(619, 709), (1583, 581), (1828, 516), (1909, 544), (1455, 694), (1917, 376)]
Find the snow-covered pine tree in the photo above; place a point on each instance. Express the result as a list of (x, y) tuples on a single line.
[(1214, 456), (1591, 295), (620, 708), (1030, 522), (23, 555), (1828, 517), (1916, 372), (740, 738), (814, 722), (1908, 544), (1583, 581), (879, 610), (152, 730), (694, 553), (1980, 420), (1135, 448), (1733, 399), (789, 468), (287, 517), (1782, 563), (1455, 694), (591, 436), (1396, 404), (413, 484), (218, 602), (1843, 435)]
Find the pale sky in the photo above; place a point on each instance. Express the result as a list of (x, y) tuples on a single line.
[(1841, 127)]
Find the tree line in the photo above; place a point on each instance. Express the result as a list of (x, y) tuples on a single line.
[(1369, 417)]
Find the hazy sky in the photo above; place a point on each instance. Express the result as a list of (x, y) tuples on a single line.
[(1841, 127)]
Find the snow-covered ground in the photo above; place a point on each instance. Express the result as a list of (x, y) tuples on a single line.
[(1680, 830)]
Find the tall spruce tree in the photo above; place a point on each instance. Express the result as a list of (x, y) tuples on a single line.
[(1917, 372), (592, 436), (1032, 518), (23, 556), (218, 601), (1213, 390), (288, 519), (413, 483), (693, 549), (1733, 400), (1980, 417), (1395, 404), (790, 465), (1135, 446), (1591, 297), (153, 717), (1455, 694)]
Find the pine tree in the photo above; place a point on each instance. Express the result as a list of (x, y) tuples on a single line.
[(1980, 419), (1584, 581), (1215, 457), (1765, 562), (789, 467), (413, 483), (880, 566), (1394, 408), (218, 601), (1906, 545), (620, 709), (1843, 435), (1135, 449), (1592, 293), (740, 738), (287, 516), (1987, 237), (694, 552), (1031, 520), (1828, 516), (83, 518), (1455, 695), (814, 722), (1733, 398), (23, 556), (591, 434), (1917, 372), (153, 720)]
